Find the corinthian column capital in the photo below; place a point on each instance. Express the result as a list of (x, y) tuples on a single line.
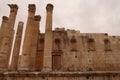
[(13, 7), (49, 7), (32, 8)]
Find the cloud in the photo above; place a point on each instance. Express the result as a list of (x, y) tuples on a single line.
[(95, 16), (88, 16)]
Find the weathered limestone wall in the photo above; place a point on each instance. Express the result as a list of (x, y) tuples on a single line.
[(75, 55), (81, 58), (73, 51), (3, 31), (101, 59), (16, 50)]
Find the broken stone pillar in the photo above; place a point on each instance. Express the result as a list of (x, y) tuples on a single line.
[(4, 26), (24, 63), (16, 50), (47, 62), (34, 41), (6, 44)]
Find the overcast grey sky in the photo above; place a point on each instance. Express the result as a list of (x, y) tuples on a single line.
[(88, 16)]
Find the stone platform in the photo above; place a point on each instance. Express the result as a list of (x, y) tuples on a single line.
[(24, 75)]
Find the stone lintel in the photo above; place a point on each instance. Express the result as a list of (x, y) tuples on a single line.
[(32, 8), (5, 18), (37, 18), (13, 7), (49, 7)]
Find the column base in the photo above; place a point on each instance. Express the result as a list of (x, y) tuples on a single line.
[(46, 69), (4, 69), (23, 69)]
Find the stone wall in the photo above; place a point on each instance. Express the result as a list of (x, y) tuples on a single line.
[(77, 54), (81, 58)]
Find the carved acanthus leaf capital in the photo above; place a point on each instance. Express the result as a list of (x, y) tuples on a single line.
[(49, 7), (32, 8), (13, 7)]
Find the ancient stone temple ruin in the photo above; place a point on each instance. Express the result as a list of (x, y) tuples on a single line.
[(56, 54)]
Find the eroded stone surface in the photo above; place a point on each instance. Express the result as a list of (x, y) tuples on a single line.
[(57, 54)]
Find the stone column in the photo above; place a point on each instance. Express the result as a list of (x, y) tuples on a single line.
[(12, 18), (6, 43), (47, 62), (4, 26), (24, 63), (16, 50), (34, 41)]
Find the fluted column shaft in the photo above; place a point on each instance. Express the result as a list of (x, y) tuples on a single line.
[(34, 41), (47, 62), (16, 50), (4, 26), (24, 63)]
